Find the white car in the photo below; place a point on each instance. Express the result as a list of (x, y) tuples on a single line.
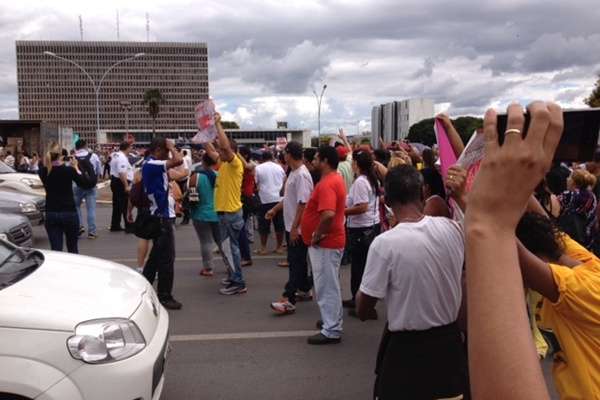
[(75, 327), (19, 182)]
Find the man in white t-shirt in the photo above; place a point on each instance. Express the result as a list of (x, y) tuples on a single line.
[(417, 268), (269, 180), (298, 188)]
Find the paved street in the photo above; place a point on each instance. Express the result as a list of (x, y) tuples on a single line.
[(234, 347)]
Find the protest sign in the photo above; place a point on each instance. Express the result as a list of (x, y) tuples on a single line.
[(447, 156), (471, 157), (205, 120)]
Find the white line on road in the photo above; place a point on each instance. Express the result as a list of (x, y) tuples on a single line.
[(242, 335), (124, 260)]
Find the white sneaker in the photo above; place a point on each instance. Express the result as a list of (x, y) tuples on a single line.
[(283, 307)]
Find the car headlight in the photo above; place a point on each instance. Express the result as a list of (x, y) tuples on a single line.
[(29, 182), (28, 207), (105, 340)]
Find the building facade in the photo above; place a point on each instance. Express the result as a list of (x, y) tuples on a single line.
[(393, 120), (55, 90)]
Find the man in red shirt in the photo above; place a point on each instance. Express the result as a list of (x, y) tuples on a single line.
[(323, 231)]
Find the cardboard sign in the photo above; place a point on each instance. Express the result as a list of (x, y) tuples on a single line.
[(205, 120), (471, 157), (447, 156)]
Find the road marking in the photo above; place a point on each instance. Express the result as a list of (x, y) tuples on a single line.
[(242, 335), (125, 260)]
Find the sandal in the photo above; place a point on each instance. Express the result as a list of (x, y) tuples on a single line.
[(206, 272)]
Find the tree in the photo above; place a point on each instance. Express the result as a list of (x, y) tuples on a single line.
[(594, 98), (230, 125), (153, 100), (422, 131)]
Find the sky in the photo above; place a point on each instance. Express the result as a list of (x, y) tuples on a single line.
[(266, 57)]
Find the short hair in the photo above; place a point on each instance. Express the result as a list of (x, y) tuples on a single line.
[(267, 155), (207, 161), (330, 154), (428, 157), (124, 145), (157, 143), (80, 144), (540, 236), (433, 179), (294, 149), (309, 154), (382, 156), (245, 152), (403, 185)]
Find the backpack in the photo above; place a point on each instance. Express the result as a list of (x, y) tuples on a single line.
[(87, 171), (138, 196)]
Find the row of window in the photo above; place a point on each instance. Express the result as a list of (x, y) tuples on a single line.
[(108, 51)]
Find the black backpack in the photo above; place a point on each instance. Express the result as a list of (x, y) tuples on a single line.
[(88, 172)]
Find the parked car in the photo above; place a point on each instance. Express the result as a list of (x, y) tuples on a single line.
[(31, 206), (17, 230), (20, 182), (76, 327)]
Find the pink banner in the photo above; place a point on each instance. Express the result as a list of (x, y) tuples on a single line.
[(447, 156)]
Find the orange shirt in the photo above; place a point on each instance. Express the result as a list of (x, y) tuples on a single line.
[(329, 195)]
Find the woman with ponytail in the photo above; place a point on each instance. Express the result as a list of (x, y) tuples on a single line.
[(61, 214), (362, 211)]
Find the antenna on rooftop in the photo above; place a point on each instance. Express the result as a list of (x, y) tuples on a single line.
[(147, 27), (118, 34), (81, 27)]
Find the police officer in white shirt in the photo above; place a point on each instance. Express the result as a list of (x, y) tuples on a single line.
[(417, 268), (121, 176)]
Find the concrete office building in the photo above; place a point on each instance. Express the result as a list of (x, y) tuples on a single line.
[(392, 121), (51, 89)]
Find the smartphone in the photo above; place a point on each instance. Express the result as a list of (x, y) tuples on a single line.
[(580, 135)]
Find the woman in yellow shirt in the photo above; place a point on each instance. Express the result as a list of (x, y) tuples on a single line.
[(568, 276)]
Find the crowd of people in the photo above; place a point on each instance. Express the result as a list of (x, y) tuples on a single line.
[(454, 262)]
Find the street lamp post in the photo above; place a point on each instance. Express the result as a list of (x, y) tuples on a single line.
[(126, 106), (319, 100), (95, 86)]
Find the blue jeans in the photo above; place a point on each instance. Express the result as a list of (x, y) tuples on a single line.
[(231, 226), (90, 204), (60, 225), (326, 278)]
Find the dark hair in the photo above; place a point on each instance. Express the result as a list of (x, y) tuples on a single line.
[(330, 154), (80, 144), (157, 143), (245, 152), (309, 154), (433, 179), (542, 194), (124, 145), (428, 158), (556, 179), (382, 156), (403, 185), (364, 162), (294, 149), (596, 156), (540, 236), (267, 155), (281, 157), (207, 161)]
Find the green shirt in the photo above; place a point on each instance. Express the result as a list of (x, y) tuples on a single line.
[(205, 208)]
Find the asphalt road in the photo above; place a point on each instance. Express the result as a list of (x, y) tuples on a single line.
[(234, 347)]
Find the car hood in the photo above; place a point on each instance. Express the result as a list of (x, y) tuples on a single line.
[(68, 289), (19, 197), (8, 221)]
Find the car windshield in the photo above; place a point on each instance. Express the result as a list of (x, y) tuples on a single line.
[(5, 169), (16, 263)]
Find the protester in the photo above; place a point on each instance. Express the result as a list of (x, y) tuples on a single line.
[(269, 180), (204, 217), (548, 200), (21, 163), (363, 221), (162, 208), (298, 188), (309, 155), (89, 163), (121, 175), (500, 344), (61, 215), (344, 151), (578, 206), (182, 180), (34, 166), (250, 205), (417, 267), (228, 205), (139, 200), (322, 229)]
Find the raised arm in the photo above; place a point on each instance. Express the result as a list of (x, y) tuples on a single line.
[(176, 157), (455, 140), (502, 358), (223, 140)]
